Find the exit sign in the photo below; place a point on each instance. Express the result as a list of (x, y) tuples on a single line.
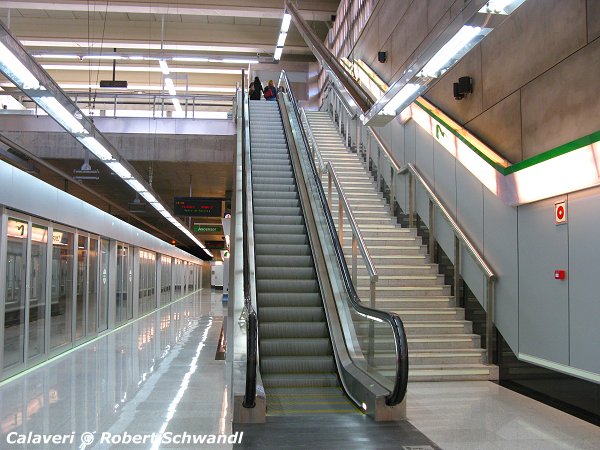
[(207, 228)]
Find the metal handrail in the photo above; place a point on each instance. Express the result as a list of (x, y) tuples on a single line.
[(357, 237), (400, 341), (461, 240), (252, 329), (315, 145)]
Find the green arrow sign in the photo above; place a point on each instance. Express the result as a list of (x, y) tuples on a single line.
[(207, 228)]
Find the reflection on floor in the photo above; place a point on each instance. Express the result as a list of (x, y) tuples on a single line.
[(157, 374), (160, 374), (484, 416)]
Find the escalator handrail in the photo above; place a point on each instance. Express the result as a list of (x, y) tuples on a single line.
[(251, 332), (399, 391)]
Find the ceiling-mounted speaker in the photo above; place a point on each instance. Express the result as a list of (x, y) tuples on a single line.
[(381, 57)]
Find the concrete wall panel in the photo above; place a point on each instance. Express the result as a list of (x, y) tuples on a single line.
[(500, 127), (584, 279), (539, 35), (473, 276), (593, 19), (552, 97), (424, 154), (543, 301), (500, 250), (441, 94), (444, 235)]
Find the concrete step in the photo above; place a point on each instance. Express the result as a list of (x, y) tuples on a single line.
[(409, 301), (392, 249), (420, 314), (396, 269), (403, 280), (450, 372), (429, 342), (391, 292), (426, 358)]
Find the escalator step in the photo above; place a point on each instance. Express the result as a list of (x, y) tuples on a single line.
[(285, 273), (279, 229), (297, 364), (287, 286), (295, 347), (277, 249), (293, 330), (288, 299), (291, 314)]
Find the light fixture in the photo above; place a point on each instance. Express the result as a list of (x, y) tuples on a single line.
[(149, 197), (455, 46), (56, 56), (96, 148), (135, 184), (170, 86), (281, 40), (177, 105), (501, 6), (119, 169), (163, 66), (278, 52), (60, 114), (190, 59), (398, 100), (285, 23), (16, 71)]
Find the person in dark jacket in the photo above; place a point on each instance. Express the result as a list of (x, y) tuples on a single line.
[(255, 95)]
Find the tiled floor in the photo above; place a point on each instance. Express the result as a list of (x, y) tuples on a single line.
[(160, 374), (482, 415)]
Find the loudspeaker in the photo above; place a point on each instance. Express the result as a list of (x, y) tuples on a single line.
[(381, 57), (464, 86)]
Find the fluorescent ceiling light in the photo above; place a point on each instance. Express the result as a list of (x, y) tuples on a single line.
[(135, 184), (56, 56), (234, 60), (60, 114), (400, 98), (16, 71), (107, 57), (146, 69), (170, 86), (119, 169), (96, 148), (501, 6), (10, 103), (163, 66), (149, 197), (285, 24), (278, 52), (143, 87), (445, 55), (177, 105), (190, 59), (281, 40)]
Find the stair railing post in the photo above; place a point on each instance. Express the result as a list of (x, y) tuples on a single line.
[(341, 219), (457, 270), (489, 321), (368, 154), (411, 200), (354, 259), (372, 322), (393, 192), (329, 188), (432, 231), (378, 167)]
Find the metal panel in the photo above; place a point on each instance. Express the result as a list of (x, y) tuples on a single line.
[(422, 203), (501, 252), (444, 235), (424, 155), (473, 276), (397, 140), (24, 192), (410, 130), (469, 205), (584, 279), (444, 166), (543, 301)]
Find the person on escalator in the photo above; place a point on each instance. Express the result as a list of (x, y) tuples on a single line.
[(255, 95), (270, 92)]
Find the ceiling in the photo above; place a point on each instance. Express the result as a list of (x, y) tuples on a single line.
[(76, 41)]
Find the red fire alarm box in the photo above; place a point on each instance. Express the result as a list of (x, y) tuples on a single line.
[(560, 274)]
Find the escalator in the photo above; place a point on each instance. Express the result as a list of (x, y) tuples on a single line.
[(296, 356), (316, 346)]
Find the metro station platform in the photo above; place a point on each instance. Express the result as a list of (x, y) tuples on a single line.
[(159, 375)]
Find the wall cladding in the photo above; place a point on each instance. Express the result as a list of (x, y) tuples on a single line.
[(536, 314), (533, 75)]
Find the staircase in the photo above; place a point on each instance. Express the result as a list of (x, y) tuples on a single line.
[(440, 341), (296, 358)]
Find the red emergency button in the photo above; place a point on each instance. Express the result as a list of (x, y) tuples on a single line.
[(560, 274)]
